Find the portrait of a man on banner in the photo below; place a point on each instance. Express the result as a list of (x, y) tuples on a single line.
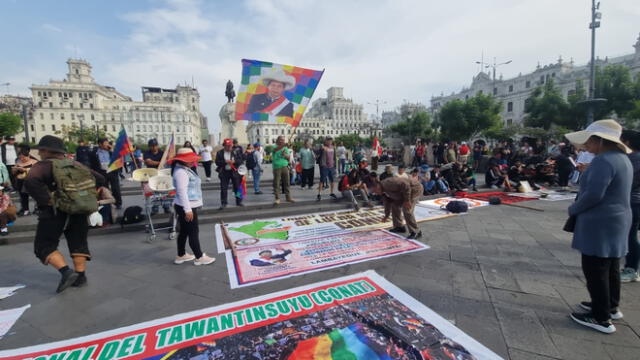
[(275, 92)]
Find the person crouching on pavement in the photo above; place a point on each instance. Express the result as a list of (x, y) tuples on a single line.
[(400, 196), (187, 201), (7, 212), (352, 184), (53, 222)]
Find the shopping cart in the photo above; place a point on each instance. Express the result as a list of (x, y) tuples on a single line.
[(158, 191)]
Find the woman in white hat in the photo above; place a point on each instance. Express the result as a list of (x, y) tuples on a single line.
[(602, 214), (188, 199)]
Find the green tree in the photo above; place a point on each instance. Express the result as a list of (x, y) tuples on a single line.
[(10, 124), (73, 133), (462, 120), (545, 107), (412, 127), (503, 132), (348, 140), (615, 84), (576, 116)]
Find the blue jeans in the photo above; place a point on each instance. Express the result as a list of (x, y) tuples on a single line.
[(255, 172), (632, 259), (341, 164)]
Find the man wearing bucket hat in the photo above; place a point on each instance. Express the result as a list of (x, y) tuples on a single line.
[(41, 183), (602, 214), (188, 200), (273, 102)]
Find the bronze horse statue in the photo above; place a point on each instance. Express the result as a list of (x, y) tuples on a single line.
[(230, 93)]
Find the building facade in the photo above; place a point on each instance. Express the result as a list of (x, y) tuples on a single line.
[(81, 103), (515, 91), (23, 107), (331, 116)]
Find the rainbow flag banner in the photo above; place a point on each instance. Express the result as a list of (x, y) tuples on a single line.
[(356, 317), (122, 148), (275, 92)]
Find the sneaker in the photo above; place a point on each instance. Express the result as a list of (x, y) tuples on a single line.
[(276, 202), (208, 179), (181, 259), (4, 231), (290, 199), (333, 196), (586, 319), (68, 278), (415, 235), (629, 275), (222, 207), (615, 314), (258, 192), (204, 260), (24, 213), (239, 204), (318, 197), (399, 229), (80, 281)]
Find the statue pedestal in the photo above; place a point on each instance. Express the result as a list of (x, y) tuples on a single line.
[(230, 128)]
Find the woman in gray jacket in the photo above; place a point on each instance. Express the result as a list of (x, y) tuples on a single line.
[(603, 219)]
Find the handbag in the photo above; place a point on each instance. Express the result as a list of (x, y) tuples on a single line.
[(570, 224)]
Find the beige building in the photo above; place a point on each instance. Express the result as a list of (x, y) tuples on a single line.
[(23, 107), (79, 102)]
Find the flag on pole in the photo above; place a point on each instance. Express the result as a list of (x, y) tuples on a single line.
[(275, 92), (376, 146), (122, 148), (169, 153)]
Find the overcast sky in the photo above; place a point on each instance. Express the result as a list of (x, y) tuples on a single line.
[(393, 50)]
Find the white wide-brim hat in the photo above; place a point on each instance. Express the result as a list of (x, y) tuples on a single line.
[(607, 129), (279, 75)]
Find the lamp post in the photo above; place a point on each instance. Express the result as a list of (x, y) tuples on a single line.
[(591, 101), (494, 66), (377, 103)]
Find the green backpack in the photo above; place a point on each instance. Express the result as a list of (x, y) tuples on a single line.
[(75, 188)]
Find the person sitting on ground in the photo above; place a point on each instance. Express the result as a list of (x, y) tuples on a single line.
[(401, 171), (495, 177), (451, 173), (545, 174), (468, 177), (437, 184), (388, 172), (105, 202), (7, 212), (352, 183)]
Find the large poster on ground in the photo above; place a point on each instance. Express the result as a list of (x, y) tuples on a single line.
[(258, 264), (272, 231), (361, 316), (275, 92), (443, 201)]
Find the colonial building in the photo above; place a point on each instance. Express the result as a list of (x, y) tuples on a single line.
[(515, 91), (23, 107), (79, 102), (332, 116)]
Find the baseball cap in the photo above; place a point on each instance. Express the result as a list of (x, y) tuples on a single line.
[(152, 142)]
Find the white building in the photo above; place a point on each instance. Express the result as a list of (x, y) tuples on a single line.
[(331, 116), (78, 101), (515, 91)]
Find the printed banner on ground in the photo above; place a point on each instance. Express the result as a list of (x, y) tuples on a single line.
[(547, 195), (270, 231), (443, 201), (362, 316), (259, 264), (275, 92)]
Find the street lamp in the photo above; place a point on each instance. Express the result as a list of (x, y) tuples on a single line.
[(494, 66)]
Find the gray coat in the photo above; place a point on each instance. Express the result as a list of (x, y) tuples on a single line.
[(602, 207)]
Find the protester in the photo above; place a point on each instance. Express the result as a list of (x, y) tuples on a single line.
[(9, 152), (603, 219), (358, 153), (342, 158), (419, 153), (374, 159), (400, 196), (7, 212), (254, 163), (388, 172), (308, 164), (463, 153), (228, 162), (205, 153), (632, 260), (352, 184), (452, 153), (280, 166), (436, 183), (236, 146), (100, 159), (20, 171), (327, 161), (401, 171), (105, 202), (52, 221), (187, 202), (83, 152), (153, 156), (496, 174), (477, 155), (469, 177), (564, 166)]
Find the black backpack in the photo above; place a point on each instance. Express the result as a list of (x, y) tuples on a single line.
[(251, 161), (457, 206), (132, 215)]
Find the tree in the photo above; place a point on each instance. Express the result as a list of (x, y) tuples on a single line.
[(348, 140), (545, 107), (10, 124), (576, 116), (462, 120), (413, 126), (614, 83), (73, 133), (503, 132)]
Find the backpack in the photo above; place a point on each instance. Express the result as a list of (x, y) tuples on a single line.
[(457, 207), (75, 187), (344, 183), (495, 200), (251, 161), (131, 215)]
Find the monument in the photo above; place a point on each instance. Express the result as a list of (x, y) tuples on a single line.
[(230, 127)]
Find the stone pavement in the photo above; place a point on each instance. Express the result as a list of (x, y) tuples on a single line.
[(505, 275)]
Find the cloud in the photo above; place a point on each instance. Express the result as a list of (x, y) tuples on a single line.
[(388, 50), (49, 27)]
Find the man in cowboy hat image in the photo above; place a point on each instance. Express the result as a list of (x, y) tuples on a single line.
[(273, 102)]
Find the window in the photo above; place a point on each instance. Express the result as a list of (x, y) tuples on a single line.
[(40, 104), (41, 116), (105, 127), (73, 117), (553, 75), (53, 128), (42, 127), (92, 117), (528, 84), (81, 106), (62, 116), (571, 92), (33, 139), (90, 106), (33, 128), (495, 91), (113, 127), (509, 106), (50, 104), (509, 121), (510, 88), (541, 79), (51, 116), (71, 105)]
